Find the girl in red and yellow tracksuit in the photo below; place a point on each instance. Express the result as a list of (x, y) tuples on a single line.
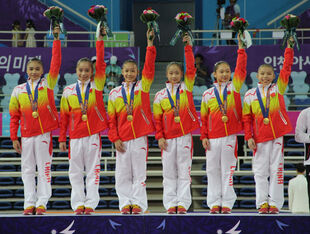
[(82, 111), (221, 116), (265, 122), (175, 117), (130, 121), (32, 107)]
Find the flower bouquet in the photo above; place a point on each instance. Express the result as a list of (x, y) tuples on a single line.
[(149, 17), (184, 21), (239, 25), (99, 12), (290, 23), (55, 14)]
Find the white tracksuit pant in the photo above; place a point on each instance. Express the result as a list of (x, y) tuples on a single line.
[(36, 151), (130, 173), (268, 161), (221, 164), (177, 163), (85, 152)]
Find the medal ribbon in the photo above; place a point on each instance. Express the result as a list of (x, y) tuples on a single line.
[(173, 105), (33, 99), (265, 112), (132, 96), (84, 104), (222, 105)]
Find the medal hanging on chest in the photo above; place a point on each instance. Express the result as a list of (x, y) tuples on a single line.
[(129, 105), (33, 99), (83, 105), (265, 111), (176, 105), (222, 105)]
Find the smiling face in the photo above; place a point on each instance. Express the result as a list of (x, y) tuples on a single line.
[(130, 72), (84, 70), (265, 75), (34, 70), (174, 73), (222, 72)]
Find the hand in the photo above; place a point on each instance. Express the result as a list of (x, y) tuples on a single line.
[(206, 144), (150, 35), (63, 146), (162, 144), (16, 146), (102, 33), (290, 42), (240, 43), (119, 145), (56, 32), (251, 144), (187, 39)]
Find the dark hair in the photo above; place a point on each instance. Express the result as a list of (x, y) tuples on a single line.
[(300, 167), (29, 23), (179, 65), (217, 64), (199, 56), (35, 60), (15, 23), (85, 59), (130, 61), (266, 65)]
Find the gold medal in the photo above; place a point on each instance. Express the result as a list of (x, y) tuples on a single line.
[(84, 117), (177, 119), (35, 114), (266, 121), (224, 118), (129, 117)]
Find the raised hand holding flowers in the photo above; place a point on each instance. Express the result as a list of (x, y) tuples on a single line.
[(184, 21), (99, 12), (149, 17), (290, 23), (239, 26), (55, 14)]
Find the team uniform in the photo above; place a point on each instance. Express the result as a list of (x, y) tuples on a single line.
[(302, 135), (221, 131), (132, 129), (84, 133), (268, 134), (36, 125), (177, 158)]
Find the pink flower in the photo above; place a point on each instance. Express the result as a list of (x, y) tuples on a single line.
[(287, 16), (232, 23)]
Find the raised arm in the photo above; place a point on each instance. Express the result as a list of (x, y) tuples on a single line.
[(148, 71), (240, 70), (100, 76), (56, 60), (190, 72)]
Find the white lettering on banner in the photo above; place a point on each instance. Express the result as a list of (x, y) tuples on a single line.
[(5, 62), (18, 62), (278, 61)]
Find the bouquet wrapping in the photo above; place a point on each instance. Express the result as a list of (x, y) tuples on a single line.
[(183, 20), (99, 13), (55, 14), (290, 23), (239, 26), (149, 17)]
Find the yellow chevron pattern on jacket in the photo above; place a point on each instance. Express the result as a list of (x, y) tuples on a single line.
[(166, 127), (70, 109), (279, 121), (20, 107), (211, 116), (142, 124)]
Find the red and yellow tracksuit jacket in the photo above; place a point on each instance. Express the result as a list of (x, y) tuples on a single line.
[(20, 107), (166, 127), (70, 109), (279, 124), (211, 116), (142, 124)]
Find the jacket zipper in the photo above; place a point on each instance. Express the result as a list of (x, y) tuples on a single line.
[(282, 117), (256, 126), (236, 114), (210, 123), (166, 126), (72, 122), (51, 112), (191, 114), (144, 117), (98, 113)]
